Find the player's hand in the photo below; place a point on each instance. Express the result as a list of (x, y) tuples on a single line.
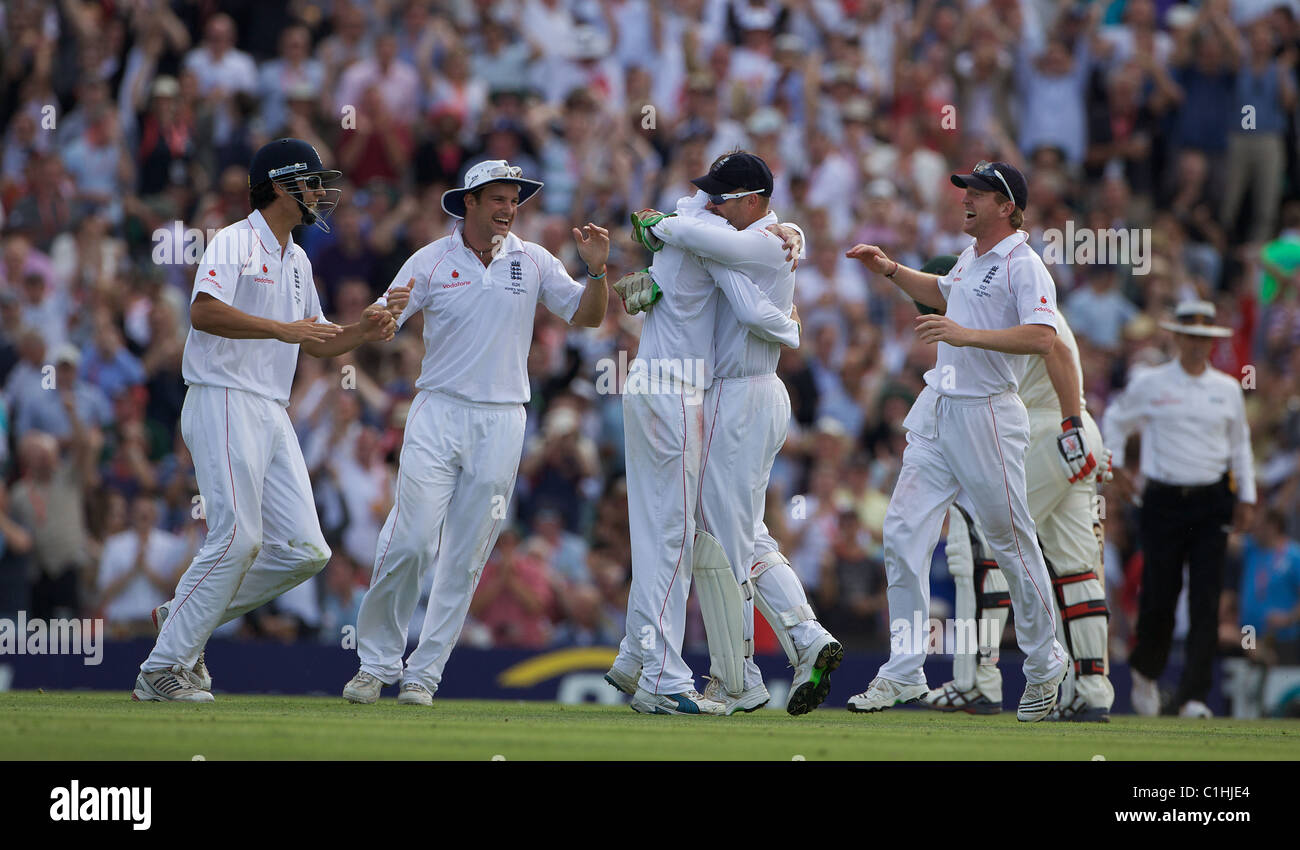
[(378, 324), (398, 296), (1105, 467), (1243, 517), (638, 291), (593, 246), (642, 221), (872, 257), (306, 330), (791, 241), (940, 328), (1076, 458)]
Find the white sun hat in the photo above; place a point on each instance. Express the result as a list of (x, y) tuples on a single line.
[(483, 173), (1196, 318)]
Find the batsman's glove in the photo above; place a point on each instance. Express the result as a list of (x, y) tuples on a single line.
[(1105, 469), (1076, 458), (642, 222), (638, 291)]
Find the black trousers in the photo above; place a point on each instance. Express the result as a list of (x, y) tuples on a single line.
[(1182, 525)]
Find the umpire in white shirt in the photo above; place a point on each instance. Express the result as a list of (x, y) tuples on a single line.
[(1199, 473)]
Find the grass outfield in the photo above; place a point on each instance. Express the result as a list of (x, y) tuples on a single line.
[(99, 725)]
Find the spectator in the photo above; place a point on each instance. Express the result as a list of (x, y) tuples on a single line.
[(47, 411), (138, 571), (1269, 595), (514, 596)]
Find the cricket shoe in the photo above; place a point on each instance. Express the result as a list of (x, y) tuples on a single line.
[(1195, 708), (1039, 699), (167, 686), (812, 675), (1145, 695), (413, 693), (1078, 711), (951, 698), (198, 674), (622, 681), (687, 702), (750, 699), (363, 689), (883, 693)]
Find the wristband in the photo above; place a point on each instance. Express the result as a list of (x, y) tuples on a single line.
[(894, 272), (600, 276)]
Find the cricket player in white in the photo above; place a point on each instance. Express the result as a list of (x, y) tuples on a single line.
[(1061, 473), (968, 433), (254, 305), (746, 418), (664, 424), (478, 289)]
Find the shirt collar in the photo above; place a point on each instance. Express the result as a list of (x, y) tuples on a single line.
[(264, 233), (1006, 245), (512, 242), (769, 218)]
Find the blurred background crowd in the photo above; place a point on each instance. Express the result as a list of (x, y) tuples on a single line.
[(127, 128)]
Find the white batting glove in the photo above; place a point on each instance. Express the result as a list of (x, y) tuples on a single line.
[(1105, 469), (1076, 458)]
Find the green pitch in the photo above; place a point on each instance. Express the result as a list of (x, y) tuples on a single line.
[(98, 725)]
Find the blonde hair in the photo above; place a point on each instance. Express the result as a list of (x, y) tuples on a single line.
[(1017, 215)]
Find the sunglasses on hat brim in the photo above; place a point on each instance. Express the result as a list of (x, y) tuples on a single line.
[(721, 199)]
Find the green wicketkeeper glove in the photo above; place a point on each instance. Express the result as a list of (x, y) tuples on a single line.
[(638, 291), (642, 222)]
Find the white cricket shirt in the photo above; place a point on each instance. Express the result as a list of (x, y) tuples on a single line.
[(677, 336), (756, 253), (1036, 389), (1193, 427), (245, 267), (478, 320), (1006, 286)]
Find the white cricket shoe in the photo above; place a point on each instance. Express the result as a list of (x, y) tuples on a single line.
[(690, 702), (884, 693), (1195, 708), (622, 681), (1039, 699), (1146, 695), (952, 698), (198, 674), (413, 693), (812, 675), (363, 689), (167, 686), (750, 699)]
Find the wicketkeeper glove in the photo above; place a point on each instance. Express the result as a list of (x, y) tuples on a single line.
[(1076, 458), (642, 221), (638, 291)]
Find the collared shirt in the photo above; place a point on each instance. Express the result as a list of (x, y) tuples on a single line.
[(478, 320), (1006, 286), (165, 554), (245, 267), (755, 252), (677, 337), (1036, 389), (1193, 427)]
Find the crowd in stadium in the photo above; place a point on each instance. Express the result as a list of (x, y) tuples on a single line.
[(127, 128)]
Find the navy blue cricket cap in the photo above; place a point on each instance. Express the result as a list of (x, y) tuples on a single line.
[(996, 177), (736, 171)]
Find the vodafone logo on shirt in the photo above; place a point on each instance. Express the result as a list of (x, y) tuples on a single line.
[(455, 283)]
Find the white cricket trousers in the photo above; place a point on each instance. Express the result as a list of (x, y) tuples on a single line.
[(745, 425), (458, 466), (663, 432), (975, 447), (263, 533)]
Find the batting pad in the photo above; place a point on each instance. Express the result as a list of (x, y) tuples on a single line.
[(723, 605)]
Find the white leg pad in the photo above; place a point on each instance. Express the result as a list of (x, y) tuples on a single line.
[(722, 603), (780, 598)]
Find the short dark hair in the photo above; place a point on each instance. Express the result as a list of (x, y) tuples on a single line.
[(262, 195)]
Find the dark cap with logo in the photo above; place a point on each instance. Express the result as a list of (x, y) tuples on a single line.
[(737, 171), (996, 177)]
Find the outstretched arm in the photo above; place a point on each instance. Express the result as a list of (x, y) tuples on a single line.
[(753, 309)]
